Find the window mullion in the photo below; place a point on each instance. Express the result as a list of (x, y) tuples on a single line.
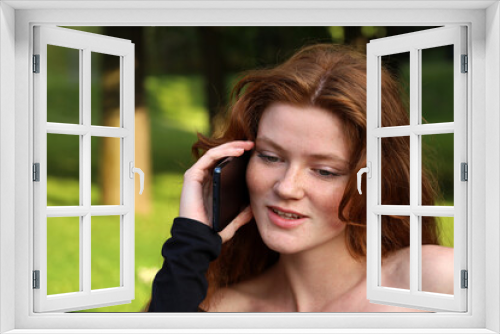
[(415, 170), (85, 167), (418, 123)]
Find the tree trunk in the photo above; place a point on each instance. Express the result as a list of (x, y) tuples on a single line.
[(213, 70), (110, 160)]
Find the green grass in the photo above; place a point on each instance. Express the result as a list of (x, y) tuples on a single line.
[(63, 255), (150, 234)]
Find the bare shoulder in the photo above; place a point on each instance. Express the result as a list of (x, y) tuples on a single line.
[(396, 269), (246, 296), (235, 298), (437, 269)]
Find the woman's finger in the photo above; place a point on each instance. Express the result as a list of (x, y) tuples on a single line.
[(234, 148), (241, 219), (196, 194)]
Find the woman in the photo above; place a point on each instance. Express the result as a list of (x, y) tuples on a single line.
[(301, 244)]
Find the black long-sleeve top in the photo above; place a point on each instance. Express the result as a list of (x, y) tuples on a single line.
[(180, 285)]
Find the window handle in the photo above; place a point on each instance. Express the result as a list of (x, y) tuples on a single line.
[(368, 171), (141, 175)]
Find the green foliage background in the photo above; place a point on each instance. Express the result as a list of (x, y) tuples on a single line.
[(177, 109)]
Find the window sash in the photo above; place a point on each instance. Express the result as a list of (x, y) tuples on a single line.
[(86, 297), (413, 43)]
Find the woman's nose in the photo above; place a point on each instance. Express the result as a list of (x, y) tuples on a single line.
[(289, 186)]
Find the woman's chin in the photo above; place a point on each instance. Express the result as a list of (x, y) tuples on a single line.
[(284, 240), (281, 243), (284, 250)]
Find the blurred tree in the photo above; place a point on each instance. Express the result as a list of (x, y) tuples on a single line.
[(355, 38), (214, 69), (226, 51), (110, 161)]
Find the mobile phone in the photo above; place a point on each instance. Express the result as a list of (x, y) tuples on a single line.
[(230, 193)]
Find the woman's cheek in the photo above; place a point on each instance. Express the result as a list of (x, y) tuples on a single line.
[(337, 198), (252, 178)]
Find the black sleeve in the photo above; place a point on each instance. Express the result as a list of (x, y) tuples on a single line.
[(181, 285)]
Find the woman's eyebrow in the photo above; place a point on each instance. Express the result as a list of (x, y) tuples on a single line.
[(316, 156), (329, 157), (268, 141)]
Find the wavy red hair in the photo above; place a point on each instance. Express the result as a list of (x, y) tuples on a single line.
[(333, 78)]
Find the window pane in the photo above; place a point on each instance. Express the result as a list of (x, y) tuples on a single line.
[(395, 173), (63, 83), (437, 84), (63, 255), (395, 250), (437, 169), (105, 89), (106, 169), (63, 170), (442, 227), (105, 252), (398, 66)]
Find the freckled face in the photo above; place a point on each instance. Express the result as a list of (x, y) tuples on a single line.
[(296, 177)]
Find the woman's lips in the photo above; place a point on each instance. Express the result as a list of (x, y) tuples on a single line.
[(283, 222)]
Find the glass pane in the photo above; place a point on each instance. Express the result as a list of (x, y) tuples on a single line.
[(395, 173), (398, 66), (437, 84), (63, 255), (437, 169), (395, 242), (105, 252), (437, 230), (105, 89), (63, 170), (63, 85), (106, 166)]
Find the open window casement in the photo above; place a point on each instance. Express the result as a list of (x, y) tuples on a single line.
[(414, 294), (82, 131)]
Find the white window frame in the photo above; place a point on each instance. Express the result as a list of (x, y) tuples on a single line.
[(16, 21), (84, 43), (413, 44)]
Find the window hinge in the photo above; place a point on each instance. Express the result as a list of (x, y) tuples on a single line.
[(36, 172), (465, 64), (36, 63), (36, 279), (465, 279), (464, 171)]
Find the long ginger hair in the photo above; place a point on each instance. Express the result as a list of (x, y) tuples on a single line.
[(333, 78)]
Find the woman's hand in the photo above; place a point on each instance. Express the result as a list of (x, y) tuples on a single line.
[(241, 219), (196, 195)]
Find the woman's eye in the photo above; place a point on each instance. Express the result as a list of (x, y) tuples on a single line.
[(326, 173), (268, 158)]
